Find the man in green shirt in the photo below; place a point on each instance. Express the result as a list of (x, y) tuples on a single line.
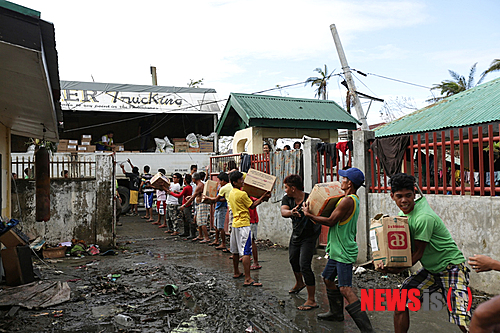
[(343, 252), (443, 263)]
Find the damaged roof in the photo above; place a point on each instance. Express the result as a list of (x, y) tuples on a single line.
[(246, 110), (477, 105)]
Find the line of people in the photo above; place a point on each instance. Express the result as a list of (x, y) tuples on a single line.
[(443, 263)]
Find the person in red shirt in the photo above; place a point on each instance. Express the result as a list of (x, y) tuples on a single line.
[(187, 215), (254, 220)]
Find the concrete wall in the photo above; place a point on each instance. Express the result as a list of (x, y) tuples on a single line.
[(474, 224), (271, 225), (254, 137), (80, 208), (5, 176)]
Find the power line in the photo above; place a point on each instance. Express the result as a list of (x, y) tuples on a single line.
[(392, 79)]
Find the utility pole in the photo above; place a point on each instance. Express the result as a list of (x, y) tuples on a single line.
[(348, 78), (153, 75)]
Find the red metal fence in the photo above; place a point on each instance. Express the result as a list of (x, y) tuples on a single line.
[(327, 169), (327, 172), (455, 162), (225, 163)]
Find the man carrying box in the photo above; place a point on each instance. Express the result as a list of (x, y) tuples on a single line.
[(343, 252), (241, 235), (443, 263)]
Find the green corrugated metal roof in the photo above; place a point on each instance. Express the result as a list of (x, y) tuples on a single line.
[(20, 9), (284, 112), (478, 105)]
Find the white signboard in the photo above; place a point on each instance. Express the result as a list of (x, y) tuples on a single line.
[(151, 102)]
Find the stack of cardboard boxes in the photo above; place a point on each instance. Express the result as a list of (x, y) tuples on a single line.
[(67, 145), (16, 258), (86, 144), (71, 145), (182, 146)]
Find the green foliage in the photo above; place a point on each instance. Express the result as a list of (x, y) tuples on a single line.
[(458, 84), (51, 146), (195, 83), (320, 82)]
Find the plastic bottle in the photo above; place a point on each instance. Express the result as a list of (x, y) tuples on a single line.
[(124, 320)]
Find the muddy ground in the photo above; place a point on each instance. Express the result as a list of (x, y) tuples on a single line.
[(131, 283)]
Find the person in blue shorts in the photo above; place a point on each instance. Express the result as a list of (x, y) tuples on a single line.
[(343, 252)]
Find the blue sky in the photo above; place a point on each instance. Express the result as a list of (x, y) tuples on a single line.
[(246, 46)]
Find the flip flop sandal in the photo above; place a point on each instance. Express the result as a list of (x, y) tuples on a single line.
[(296, 291), (239, 276), (307, 307), (226, 251), (253, 267), (252, 284)]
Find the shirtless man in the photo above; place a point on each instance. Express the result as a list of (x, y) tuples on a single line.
[(202, 209)]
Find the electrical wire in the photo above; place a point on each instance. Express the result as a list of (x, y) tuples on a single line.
[(392, 79)]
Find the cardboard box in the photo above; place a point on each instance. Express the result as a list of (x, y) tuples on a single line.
[(71, 148), (85, 143), (390, 241), (324, 198), (159, 179), (54, 252), (179, 140), (86, 137), (91, 148), (181, 147), (82, 148), (193, 150), (210, 189), (13, 238), (206, 146), (17, 265), (73, 142), (63, 142), (257, 183), (119, 147)]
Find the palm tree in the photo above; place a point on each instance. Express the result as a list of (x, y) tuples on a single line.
[(321, 82), (494, 66), (458, 84)]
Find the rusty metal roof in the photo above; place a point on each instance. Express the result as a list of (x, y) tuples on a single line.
[(478, 105)]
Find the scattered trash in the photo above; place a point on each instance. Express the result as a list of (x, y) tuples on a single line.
[(73, 280), (58, 272), (93, 250), (170, 290), (360, 270), (12, 312), (384, 277), (124, 320), (109, 253), (249, 329), (319, 258), (37, 244)]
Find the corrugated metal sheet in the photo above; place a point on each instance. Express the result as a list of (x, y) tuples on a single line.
[(474, 106), (275, 107)]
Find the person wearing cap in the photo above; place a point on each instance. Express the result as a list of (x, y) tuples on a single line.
[(342, 250)]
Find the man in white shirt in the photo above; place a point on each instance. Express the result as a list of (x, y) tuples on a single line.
[(173, 213)]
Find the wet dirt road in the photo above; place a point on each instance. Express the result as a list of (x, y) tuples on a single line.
[(209, 299)]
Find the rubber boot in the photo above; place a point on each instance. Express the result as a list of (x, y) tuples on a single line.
[(360, 317), (336, 301)]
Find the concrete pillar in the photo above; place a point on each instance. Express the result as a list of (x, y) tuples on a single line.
[(310, 164), (105, 190), (361, 160)]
